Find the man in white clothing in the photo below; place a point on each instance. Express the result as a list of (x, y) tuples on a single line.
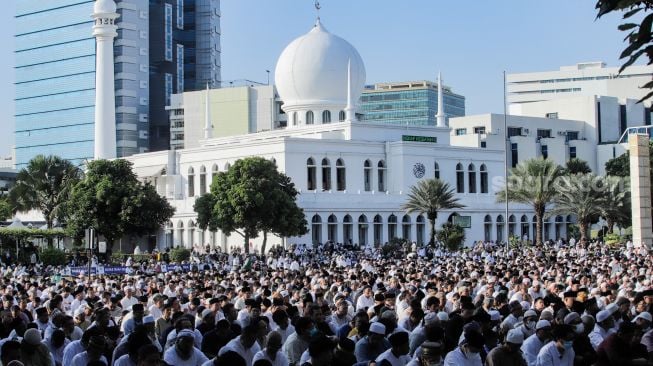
[(560, 351), (184, 353), (272, 352), (468, 352), (603, 328), (533, 344), (245, 344)]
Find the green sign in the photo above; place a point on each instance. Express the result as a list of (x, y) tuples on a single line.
[(463, 221), (431, 139)]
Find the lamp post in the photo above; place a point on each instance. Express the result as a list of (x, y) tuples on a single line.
[(505, 165), (268, 72)]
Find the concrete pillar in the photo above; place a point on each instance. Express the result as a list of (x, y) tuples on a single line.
[(640, 181)]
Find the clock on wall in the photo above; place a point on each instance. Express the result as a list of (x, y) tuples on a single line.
[(419, 170)]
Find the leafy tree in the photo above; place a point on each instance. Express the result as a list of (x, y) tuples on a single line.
[(532, 182), (616, 209), (45, 185), (112, 200), (582, 196), (620, 165), (452, 236), (5, 209), (639, 38), (252, 197), (429, 196), (576, 166)]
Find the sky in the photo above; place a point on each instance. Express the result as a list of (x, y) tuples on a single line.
[(470, 42)]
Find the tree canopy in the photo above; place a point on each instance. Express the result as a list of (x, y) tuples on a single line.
[(252, 197), (5, 209), (112, 200), (45, 185), (576, 166)]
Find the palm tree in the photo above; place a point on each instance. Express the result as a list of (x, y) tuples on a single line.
[(582, 196), (616, 209), (532, 182), (44, 185), (428, 197)]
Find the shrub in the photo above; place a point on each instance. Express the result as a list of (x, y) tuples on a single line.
[(53, 257), (179, 254), (394, 246), (452, 236)]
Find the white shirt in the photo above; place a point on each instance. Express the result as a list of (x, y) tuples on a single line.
[(124, 360), (126, 302), (364, 302), (155, 312), (72, 350), (279, 360), (550, 356), (531, 348), (82, 360), (196, 359), (284, 333), (390, 357), (246, 353), (598, 334), (458, 358)]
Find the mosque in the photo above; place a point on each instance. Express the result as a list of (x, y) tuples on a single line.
[(353, 177)]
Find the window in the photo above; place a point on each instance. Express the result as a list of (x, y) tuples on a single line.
[(460, 178), (471, 173), (332, 228), (381, 170), (311, 182), (294, 118), (461, 131), (180, 68), (341, 183), (341, 116), (514, 154), (214, 172), (168, 88), (326, 175), (202, 180), (309, 118), (573, 135), (367, 175), (484, 180), (392, 227), (180, 14), (483, 144), (436, 171), (572, 152), (326, 117), (316, 229), (479, 130), (191, 182), (514, 131), (168, 32), (552, 115), (543, 134), (544, 149), (623, 120)]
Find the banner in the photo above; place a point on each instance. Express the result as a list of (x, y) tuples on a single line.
[(120, 270)]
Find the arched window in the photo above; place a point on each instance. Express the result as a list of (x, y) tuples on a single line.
[(378, 227), (311, 181), (191, 235), (525, 227), (347, 230), (500, 228), (381, 170), (309, 118), (341, 182), (362, 230), (191, 182), (214, 172), (294, 118), (326, 117), (471, 172), (341, 116), (512, 222), (316, 229), (436, 171), (405, 228), (484, 182), (487, 223), (460, 178), (202, 180), (326, 175), (392, 227), (227, 167), (367, 175), (180, 234), (332, 228), (559, 225), (421, 229)]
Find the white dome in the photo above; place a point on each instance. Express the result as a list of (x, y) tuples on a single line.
[(311, 72), (104, 7)]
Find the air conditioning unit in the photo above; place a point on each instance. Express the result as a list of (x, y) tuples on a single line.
[(562, 133), (525, 131)]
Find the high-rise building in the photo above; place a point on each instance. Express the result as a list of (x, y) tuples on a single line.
[(413, 103), (163, 47), (586, 78)]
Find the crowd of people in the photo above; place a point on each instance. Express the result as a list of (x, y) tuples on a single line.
[(557, 304)]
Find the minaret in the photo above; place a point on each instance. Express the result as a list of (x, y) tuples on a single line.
[(350, 113), (208, 128), (104, 31), (440, 116)]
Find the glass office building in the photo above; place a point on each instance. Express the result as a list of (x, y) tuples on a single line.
[(408, 103), (55, 72)]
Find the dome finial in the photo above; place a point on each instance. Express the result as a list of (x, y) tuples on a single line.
[(317, 10)]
